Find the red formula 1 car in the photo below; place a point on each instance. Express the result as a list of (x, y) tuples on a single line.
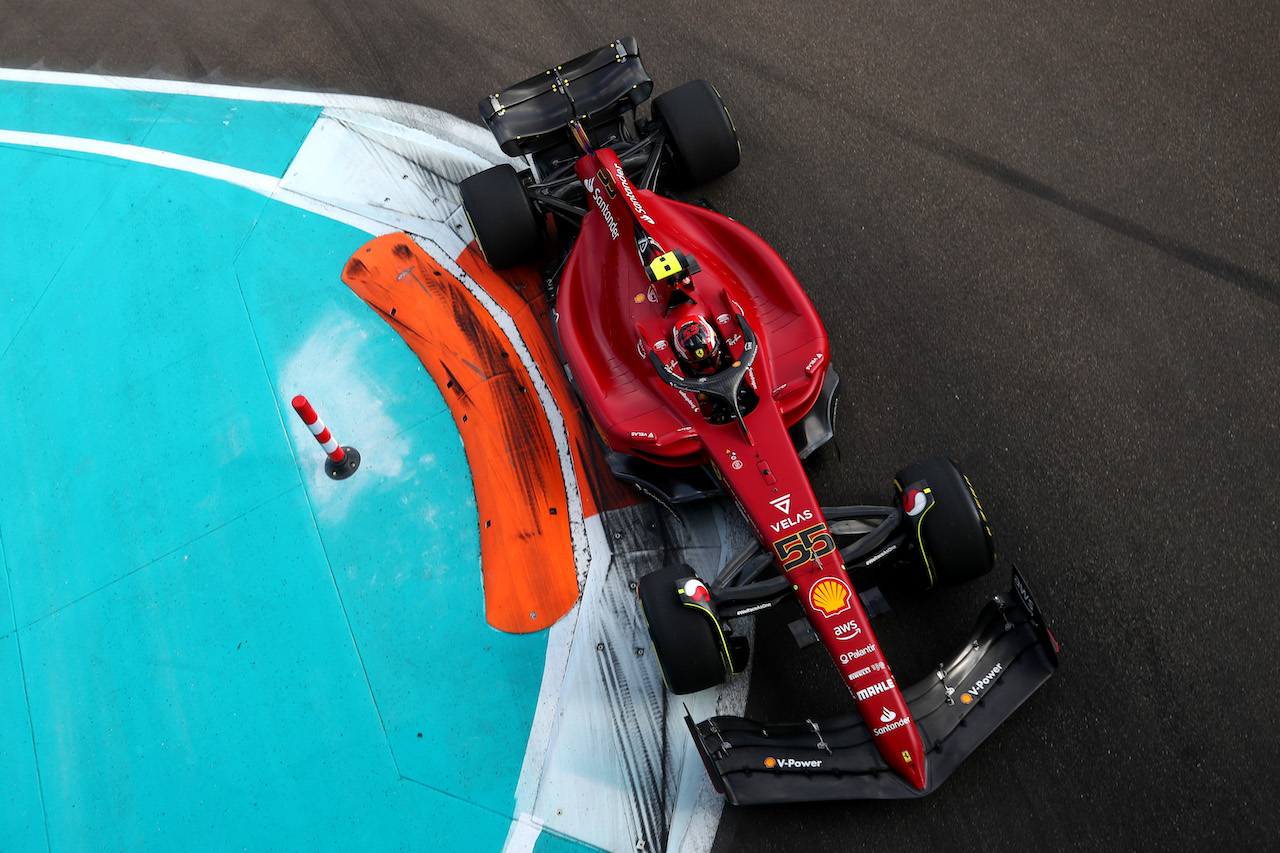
[(707, 371)]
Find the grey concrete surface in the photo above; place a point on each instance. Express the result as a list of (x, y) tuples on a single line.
[(1043, 239)]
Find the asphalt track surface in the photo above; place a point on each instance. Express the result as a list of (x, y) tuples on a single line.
[(1043, 240)]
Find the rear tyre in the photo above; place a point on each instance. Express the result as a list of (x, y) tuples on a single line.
[(685, 639), (501, 216), (699, 130), (952, 540)]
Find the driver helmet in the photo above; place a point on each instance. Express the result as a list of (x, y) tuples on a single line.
[(697, 344)]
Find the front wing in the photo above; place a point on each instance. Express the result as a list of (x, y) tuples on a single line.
[(1010, 653)]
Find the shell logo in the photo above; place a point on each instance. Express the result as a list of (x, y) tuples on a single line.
[(771, 762), (966, 698), (830, 595)]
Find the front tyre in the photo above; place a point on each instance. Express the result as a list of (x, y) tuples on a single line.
[(686, 639), (506, 226), (951, 538)]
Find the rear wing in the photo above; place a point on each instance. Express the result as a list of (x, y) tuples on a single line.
[(595, 88), (1009, 655)]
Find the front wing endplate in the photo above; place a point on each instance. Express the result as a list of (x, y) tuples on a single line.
[(1009, 655)]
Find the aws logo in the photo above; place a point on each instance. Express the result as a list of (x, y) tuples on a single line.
[(848, 631)]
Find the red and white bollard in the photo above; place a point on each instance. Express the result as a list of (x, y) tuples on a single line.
[(342, 461)]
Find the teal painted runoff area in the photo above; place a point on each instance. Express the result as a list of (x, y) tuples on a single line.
[(258, 136), (206, 643)]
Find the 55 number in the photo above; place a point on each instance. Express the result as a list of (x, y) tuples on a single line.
[(803, 546)]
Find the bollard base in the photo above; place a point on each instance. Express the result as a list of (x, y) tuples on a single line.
[(344, 469)]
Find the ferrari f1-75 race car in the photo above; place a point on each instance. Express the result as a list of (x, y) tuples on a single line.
[(706, 371)]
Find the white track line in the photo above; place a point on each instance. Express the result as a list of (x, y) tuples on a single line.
[(255, 181)]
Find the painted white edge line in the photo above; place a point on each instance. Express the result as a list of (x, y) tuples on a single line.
[(560, 640), (184, 87), (255, 181), (469, 134), (524, 834), (265, 185)]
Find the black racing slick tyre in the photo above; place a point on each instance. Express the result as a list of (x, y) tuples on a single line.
[(686, 639), (701, 134), (501, 216), (952, 540)]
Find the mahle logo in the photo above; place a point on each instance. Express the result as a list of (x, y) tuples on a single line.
[(874, 690)]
